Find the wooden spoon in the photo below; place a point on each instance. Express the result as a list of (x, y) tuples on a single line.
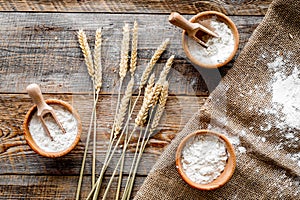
[(30, 139), (190, 27), (35, 93)]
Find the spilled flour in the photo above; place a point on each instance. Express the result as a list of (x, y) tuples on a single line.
[(204, 158), (285, 89), (60, 141), (286, 93), (280, 117)]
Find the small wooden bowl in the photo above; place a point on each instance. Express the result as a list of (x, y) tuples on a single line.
[(221, 17), (224, 176), (30, 140)]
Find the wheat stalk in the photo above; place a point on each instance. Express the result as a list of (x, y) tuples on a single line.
[(133, 63), (122, 73), (133, 59), (123, 69), (123, 107), (89, 63), (95, 189), (152, 62), (150, 92), (86, 53), (97, 60), (158, 114), (124, 52), (95, 71), (97, 86), (84, 155)]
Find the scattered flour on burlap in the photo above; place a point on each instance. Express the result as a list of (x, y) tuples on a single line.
[(204, 158), (286, 93), (220, 122), (60, 141), (233, 138), (284, 87), (283, 112)]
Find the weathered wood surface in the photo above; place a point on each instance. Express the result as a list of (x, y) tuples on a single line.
[(38, 43), (17, 157), (230, 7), (43, 48), (52, 187)]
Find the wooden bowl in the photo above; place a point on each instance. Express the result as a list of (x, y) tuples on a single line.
[(224, 176), (220, 17), (30, 140)]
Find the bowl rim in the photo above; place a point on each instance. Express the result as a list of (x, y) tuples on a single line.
[(30, 140), (231, 25), (225, 175)]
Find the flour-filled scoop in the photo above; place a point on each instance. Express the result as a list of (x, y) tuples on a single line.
[(43, 108), (191, 28)]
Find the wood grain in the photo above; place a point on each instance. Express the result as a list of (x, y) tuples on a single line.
[(52, 187), (43, 48), (38, 44), (17, 157), (230, 7)]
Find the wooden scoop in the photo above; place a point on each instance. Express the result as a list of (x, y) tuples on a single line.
[(190, 27), (35, 93)]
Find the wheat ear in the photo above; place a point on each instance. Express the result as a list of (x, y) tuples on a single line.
[(86, 52), (133, 59), (152, 62), (150, 85), (124, 52), (162, 78), (156, 93), (123, 107), (161, 106), (164, 73), (97, 60), (143, 113)]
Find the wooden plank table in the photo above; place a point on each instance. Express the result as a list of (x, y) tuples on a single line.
[(38, 43)]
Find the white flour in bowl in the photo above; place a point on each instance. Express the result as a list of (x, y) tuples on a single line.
[(219, 49), (204, 158), (60, 141)]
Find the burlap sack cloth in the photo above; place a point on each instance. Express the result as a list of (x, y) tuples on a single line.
[(265, 170)]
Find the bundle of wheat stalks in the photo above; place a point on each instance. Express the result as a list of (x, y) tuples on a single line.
[(148, 117)]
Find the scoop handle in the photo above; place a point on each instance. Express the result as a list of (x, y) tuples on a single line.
[(35, 93), (178, 20)]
